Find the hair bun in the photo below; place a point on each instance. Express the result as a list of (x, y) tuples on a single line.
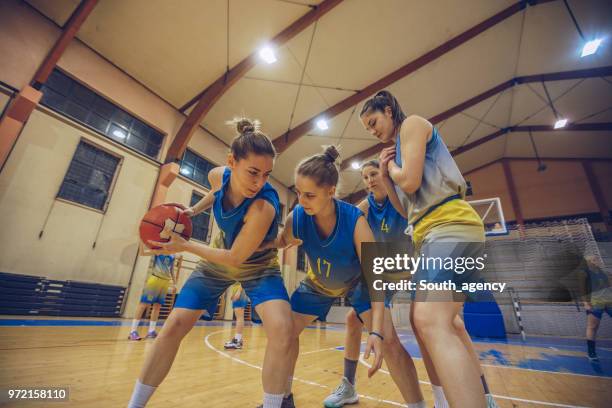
[(245, 125), (331, 153)]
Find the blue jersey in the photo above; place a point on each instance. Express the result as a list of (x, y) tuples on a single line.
[(334, 265), (231, 222), (162, 266), (386, 223)]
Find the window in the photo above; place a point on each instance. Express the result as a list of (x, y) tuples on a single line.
[(89, 177), (301, 259), (65, 95), (201, 222), (469, 191), (196, 168)]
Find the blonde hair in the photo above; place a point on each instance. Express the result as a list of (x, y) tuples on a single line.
[(321, 167)]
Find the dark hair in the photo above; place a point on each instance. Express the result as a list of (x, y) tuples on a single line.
[(250, 139), (378, 104), (321, 167), (373, 163)]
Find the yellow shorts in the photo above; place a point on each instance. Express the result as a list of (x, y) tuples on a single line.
[(155, 290)]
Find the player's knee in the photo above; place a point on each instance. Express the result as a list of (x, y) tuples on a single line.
[(593, 323), (353, 324), (175, 328), (458, 324), (284, 335), (429, 325)]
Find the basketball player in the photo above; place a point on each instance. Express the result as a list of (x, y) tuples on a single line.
[(245, 207)]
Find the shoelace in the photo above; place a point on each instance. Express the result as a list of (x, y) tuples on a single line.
[(340, 388)]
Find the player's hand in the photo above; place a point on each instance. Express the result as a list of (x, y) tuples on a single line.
[(374, 345), (189, 212), (386, 155), (176, 244)]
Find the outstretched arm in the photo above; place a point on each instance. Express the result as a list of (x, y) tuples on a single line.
[(257, 221), (363, 233)]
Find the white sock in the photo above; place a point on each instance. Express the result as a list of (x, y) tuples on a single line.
[(439, 397), (152, 325), (420, 404), (238, 336), (271, 400), (135, 324), (141, 395), (289, 384)]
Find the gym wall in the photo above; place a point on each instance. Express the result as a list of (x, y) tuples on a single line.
[(561, 190), (37, 165)]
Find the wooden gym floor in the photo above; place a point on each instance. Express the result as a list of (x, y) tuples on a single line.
[(94, 358)]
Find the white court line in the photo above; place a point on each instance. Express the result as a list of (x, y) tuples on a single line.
[(550, 404), (317, 351), (361, 360), (210, 346)]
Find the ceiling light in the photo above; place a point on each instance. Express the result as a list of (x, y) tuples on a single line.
[(267, 54), (322, 124), (560, 123), (590, 47)]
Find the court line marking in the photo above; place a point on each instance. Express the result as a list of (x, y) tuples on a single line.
[(362, 361), (317, 351), (550, 404), (237, 360)]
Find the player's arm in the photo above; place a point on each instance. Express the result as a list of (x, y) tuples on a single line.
[(285, 238), (215, 177), (414, 134), (363, 233), (257, 221), (393, 198), (364, 207)]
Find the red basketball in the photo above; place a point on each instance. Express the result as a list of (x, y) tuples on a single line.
[(160, 221)]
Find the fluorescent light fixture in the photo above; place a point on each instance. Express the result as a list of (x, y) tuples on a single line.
[(355, 165), (267, 54), (322, 124), (590, 47), (560, 123), (119, 134)]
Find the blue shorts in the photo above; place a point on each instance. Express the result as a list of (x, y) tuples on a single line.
[(598, 311), (307, 300), (202, 292), (155, 290)]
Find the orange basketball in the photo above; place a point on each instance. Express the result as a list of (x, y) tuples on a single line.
[(160, 221)]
